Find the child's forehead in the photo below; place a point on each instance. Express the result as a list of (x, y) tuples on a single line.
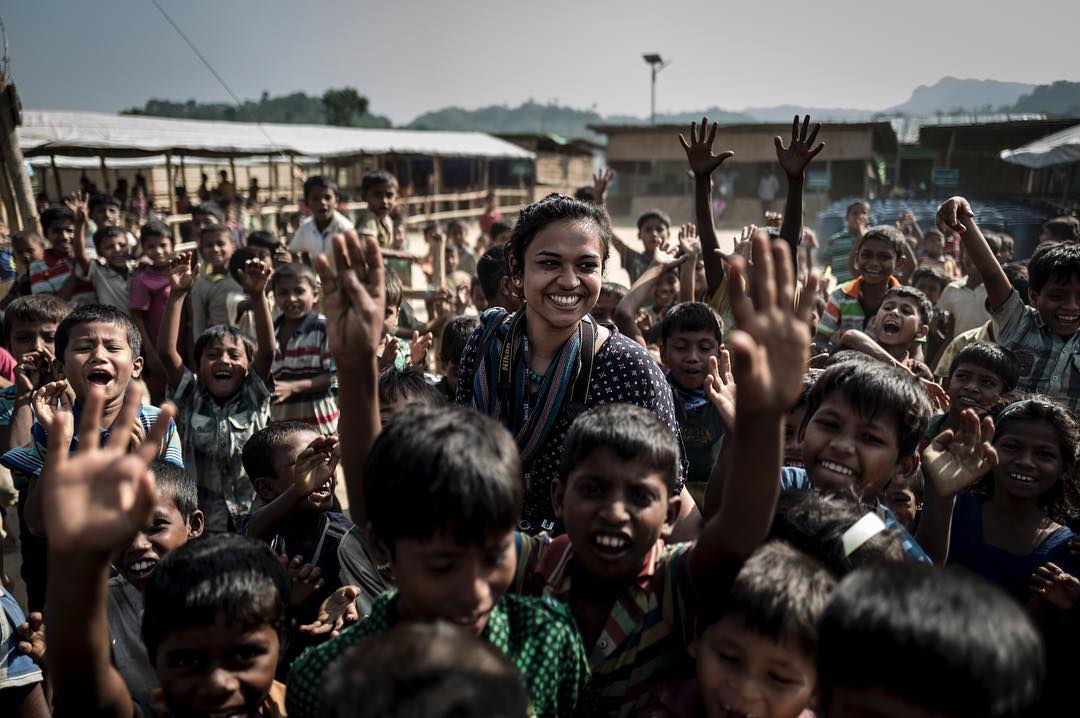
[(836, 402), (292, 281), (37, 325), (97, 329), (606, 465), (973, 368), (222, 235), (877, 245), (691, 335)]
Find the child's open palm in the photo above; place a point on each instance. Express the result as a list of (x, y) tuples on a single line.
[(1059, 588), (699, 149), (797, 155), (101, 496), (181, 278), (316, 464), (52, 399), (955, 460), (255, 276), (720, 387), (78, 203), (772, 341), (337, 611), (355, 299)]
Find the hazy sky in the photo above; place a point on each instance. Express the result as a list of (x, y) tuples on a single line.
[(410, 56)]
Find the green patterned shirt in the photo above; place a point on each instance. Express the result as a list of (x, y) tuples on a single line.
[(537, 634)]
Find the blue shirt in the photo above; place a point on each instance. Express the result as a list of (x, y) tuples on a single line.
[(16, 669)]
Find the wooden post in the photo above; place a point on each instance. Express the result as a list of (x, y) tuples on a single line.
[(232, 169), (13, 161), (104, 175), (438, 262), (293, 169), (56, 178), (271, 175), (10, 209), (169, 182), (183, 177)]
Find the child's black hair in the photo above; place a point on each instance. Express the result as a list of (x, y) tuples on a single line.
[(815, 522), (888, 234), (260, 450), (932, 273), (780, 593), (455, 224), (424, 669), (319, 182), (34, 309), (858, 204), (551, 209), (226, 577), (373, 179), (211, 208), (99, 199), (490, 269), (53, 215), (1020, 281), (217, 334), (653, 214), (240, 257), (179, 484), (455, 336), (263, 239), (631, 432), (1060, 502), (213, 230), (932, 637), (155, 228), (991, 357), (295, 270), (872, 387), (104, 233), (1063, 229), (498, 228), (809, 379), (408, 383), (97, 314), (926, 309), (993, 240), (691, 317), (614, 289), (394, 289), (442, 468), (585, 194), (1059, 261)]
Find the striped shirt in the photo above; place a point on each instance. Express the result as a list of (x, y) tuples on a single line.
[(1048, 364), (836, 255), (306, 355), (50, 274), (30, 458), (644, 639), (845, 310)]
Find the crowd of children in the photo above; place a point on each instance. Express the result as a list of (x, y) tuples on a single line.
[(249, 481)]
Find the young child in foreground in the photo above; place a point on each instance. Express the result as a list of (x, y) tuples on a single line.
[(215, 610)]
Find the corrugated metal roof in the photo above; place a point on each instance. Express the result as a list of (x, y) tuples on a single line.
[(1057, 149), (94, 133)]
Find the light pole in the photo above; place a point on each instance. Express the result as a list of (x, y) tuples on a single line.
[(656, 63)]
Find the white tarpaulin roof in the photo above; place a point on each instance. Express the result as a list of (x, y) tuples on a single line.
[(46, 132), (1057, 149), (65, 162)]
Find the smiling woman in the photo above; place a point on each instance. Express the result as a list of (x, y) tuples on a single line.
[(537, 369)]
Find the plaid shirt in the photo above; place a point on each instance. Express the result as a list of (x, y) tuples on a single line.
[(1048, 364), (845, 311), (214, 438), (646, 634), (538, 635), (305, 355)]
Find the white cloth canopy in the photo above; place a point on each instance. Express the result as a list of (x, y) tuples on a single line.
[(45, 132), (1057, 149)]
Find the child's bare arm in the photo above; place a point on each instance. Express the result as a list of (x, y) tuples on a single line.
[(721, 391), (355, 298), (255, 277), (955, 215), (691, 247), (626, 310), (864, 343), (101, 496), (771, 353), (703, 163), (77, 203), (794, 159), (181, 280), (952, 462), (314, 466)]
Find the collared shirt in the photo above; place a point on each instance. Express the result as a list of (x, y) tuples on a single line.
[(110, 286), (30, 458), (309, 239), (845, 311), (966, 304), (538, 635), (210, 301), (16, 668), (369, 222), (985, 333), (125, 611), (646, 634), (214, 438), (1048, 363), (305, 355), (50, 274)]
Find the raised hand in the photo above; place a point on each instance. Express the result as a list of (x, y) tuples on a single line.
[(304, 579), (666, 256), (952, 214), (699, 152), (688, 240), (53, 399), (939, 398), (34, 370), (79, 203), (255, 276), (355, 299), (419, 348), (720, 387), (316, 464), (336, 612), (797, 155), (772, 341), (181, 278), (1059, 588), (32, 638), (601, 180), (957, 459), (100, 496), (773, 219), (388, 360)]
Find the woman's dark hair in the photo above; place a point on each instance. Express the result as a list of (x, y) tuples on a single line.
[(1060, 501), (631, 432), (436, 468), (551, 209), (227, 576), (216, 335)]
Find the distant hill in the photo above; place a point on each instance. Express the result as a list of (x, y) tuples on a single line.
[(344, 107), (715, 114), (784, 113), (527, 117), (950, 94), (1061, 99)]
